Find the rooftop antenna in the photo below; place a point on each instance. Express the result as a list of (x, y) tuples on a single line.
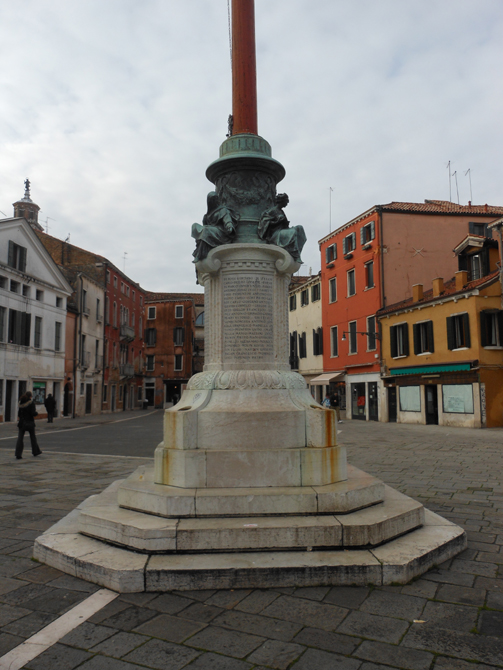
[(330, 189), (3, 213), (125, 254), (449, 168), (469, 173), (455, 175), (47, 224), (68, 238)]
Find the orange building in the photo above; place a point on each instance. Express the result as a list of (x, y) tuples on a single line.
[(371, 262), (174, 345)]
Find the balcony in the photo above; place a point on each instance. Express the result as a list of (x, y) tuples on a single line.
[(98, 362), (127, 370), (126, 333)]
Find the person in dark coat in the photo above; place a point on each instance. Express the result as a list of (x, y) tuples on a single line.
[(26, 414), (50, 405)]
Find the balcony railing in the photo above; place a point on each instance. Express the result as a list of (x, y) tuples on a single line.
[(85, 359), (127, 333), (127, 370)]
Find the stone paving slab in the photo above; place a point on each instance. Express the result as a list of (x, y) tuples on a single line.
[(429, 463)]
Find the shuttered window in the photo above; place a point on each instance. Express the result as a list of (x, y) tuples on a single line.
[(333, 289), (458, 331), (17, 256), (178, 336), (367, 233), (331, 253), (19, 328), (150, 337), (491, 328), (317, 342), (423, 337), (302, 346), (349, 243), (399, 340)]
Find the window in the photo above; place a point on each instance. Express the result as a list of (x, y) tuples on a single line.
[(85, 308), (334, 342), (302, 346), (491, 328), (304, 297), (371, 333), (349, 243), (108, 276), (59, 302), (317, 342), (178, 336), (353, 342), (3, 282), (1, 392), (150, 337), (37, 340), (133, 319), (458, 331), (114, 355), (476, 228), (26, 292), (17, 256), (151, 313), (57, 336), (122, 287), (150, 363), (96, 355), (331, 253), (293, 302), (399, 340), (332, 285), (423, 337), (15, 286), (127, 291), (457, 398), (105, 392), (140, 327), (315, 292), (294, 358), (369, 275), (179, 312), (82, 388), (98, 310), (200, 320), (367, 233), (410, 398), (115, 282), (3, 323), (475, 266), (134, 296), (19, 328), (115, 315), (351, 283), (141, 301), (39, 295), (178, 362)]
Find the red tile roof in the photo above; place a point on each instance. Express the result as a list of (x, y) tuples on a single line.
[(441, 207), (152, 296), (449, 289)]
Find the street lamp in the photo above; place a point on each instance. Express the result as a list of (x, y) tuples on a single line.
[(360, 332)]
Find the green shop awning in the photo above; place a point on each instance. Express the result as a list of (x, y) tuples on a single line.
[(431, 369)]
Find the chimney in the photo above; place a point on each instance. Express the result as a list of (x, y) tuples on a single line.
[(417, 292), (461, 279), (438, 286)]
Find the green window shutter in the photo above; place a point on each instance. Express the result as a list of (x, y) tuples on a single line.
[(345, 246), (372, 230), (450, 332), (431, 341), (417, 338), (11, 254), (392, 338), (22, 259), (320, 341), (315, 347), (466, 330), (362, 236), (25, 329), (406, 339)]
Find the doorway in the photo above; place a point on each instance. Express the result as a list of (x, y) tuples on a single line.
[(113, 398), (89, 398), (373, 404), (431, 396), (392, 404), (358, 401)]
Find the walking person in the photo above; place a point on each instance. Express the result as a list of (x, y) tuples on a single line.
[(326, 402), (50, 405), (335, 404), (26, 414)]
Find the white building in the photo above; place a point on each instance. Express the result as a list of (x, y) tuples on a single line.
[(306, 336), (33, 295)]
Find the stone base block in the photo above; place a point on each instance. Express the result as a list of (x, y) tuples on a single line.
[(126, 571), (139, 492)]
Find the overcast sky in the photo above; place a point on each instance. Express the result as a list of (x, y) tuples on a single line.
[(114, 109)]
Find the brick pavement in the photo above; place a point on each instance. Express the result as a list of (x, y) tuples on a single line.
[(450, 619)]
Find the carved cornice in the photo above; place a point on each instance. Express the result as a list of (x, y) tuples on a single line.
[(246, 379)]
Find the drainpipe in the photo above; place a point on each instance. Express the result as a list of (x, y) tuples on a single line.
[(500, 244), (79, 303), (105, 268)]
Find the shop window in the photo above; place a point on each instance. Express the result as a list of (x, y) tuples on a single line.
[(293, 302), (410, 398), (334, 341), (39, 389), (423, 337), (491, 328), (457, 398), (458, 331), (332, 286), (399, 340), (331, 253), (351, 283)]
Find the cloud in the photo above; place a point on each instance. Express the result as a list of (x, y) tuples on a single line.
[(114, 110)]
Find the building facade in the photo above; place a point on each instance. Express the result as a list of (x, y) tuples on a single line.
[(33, 296), (373, 261), (172, 344)]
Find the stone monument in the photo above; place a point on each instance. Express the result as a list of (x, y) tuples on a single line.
[(249, 487)]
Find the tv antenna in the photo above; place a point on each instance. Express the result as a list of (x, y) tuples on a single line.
[(455, 175), (125, 254), (47, 223), (330, 189), (469, 173), (449, 168)]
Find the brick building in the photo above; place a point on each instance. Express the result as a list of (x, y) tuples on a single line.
[(373, 261), (122, 346), (174, 344)]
